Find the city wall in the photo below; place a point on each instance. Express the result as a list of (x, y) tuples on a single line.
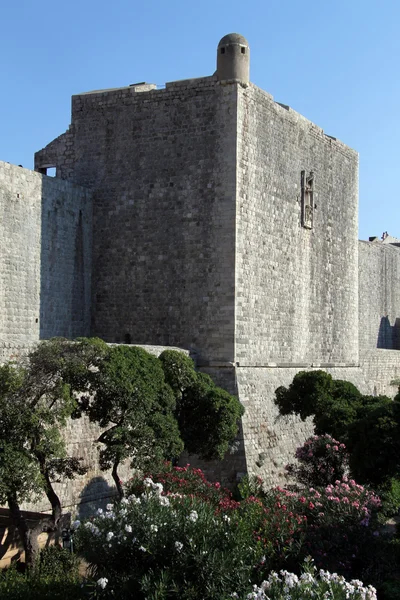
[(45, 259)]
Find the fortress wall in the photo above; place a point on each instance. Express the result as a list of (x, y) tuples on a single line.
[(162, 167), (266, 441), (270, 440), (380, 368), (297, 299), (379, 296), (45, 246)]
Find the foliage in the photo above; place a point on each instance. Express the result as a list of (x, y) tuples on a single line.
[(152, 407), (389, 493), (375, 444), (311, 585), (249, 485), (208, 416), (332, 524), (157, 546), (323, 460), (129, 397), (36, 399), (56, 578), (368, 425), (187, 481)]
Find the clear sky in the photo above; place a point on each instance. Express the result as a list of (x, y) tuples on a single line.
[(337, 63)]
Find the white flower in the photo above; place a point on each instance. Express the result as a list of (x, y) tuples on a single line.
[(178, 546), (128, 528), (158, 488), (147, 482), (164, 501), (153, 528), (102, 582), (110, 535), (226, 518), (133, 499), (307, 578), (193, 516), (124, 501), (93, 528), (99, 511), (123, 511), (109, 507), (75, 524)]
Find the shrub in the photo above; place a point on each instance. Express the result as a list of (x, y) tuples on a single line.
[(187, 481), (157, 547), (323, 460), (311, 585), (390, 496), (54, 578)]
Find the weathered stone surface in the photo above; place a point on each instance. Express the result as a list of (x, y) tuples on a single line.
[(206, 237)]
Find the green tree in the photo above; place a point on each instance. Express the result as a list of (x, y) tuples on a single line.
[(131, 401), (208, 416), (35, 402), (368, 425)]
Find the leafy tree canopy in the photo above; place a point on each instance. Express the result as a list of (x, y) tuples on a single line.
[(368, 425)]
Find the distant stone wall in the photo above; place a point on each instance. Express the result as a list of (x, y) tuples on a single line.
[(45, 259), (380, 368), (296, 294), (379, 296)]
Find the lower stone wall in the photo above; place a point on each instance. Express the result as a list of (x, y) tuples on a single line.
[(267, 441), (380, 367), (270, 440)]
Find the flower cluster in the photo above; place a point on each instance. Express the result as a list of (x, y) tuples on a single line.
[(324, 585), (182, 538), (322, 460), (187, 481)]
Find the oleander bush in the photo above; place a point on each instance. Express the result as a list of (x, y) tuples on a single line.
[(322, 460), (311, 585), (157, 546)]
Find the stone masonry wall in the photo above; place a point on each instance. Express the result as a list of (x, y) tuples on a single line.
[(45, 256), (296, 288), (161, 164), (379, 296)]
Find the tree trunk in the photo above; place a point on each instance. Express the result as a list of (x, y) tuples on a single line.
[(117, 480), (29, 542)]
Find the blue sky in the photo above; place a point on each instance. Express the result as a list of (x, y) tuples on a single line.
[(337, 63)]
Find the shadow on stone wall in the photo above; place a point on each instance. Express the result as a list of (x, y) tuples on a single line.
[(389, 335), (97, 493), (64, 260)]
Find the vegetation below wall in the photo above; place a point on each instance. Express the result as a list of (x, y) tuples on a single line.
[(171, 534), (174, 535), (149, 409)]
